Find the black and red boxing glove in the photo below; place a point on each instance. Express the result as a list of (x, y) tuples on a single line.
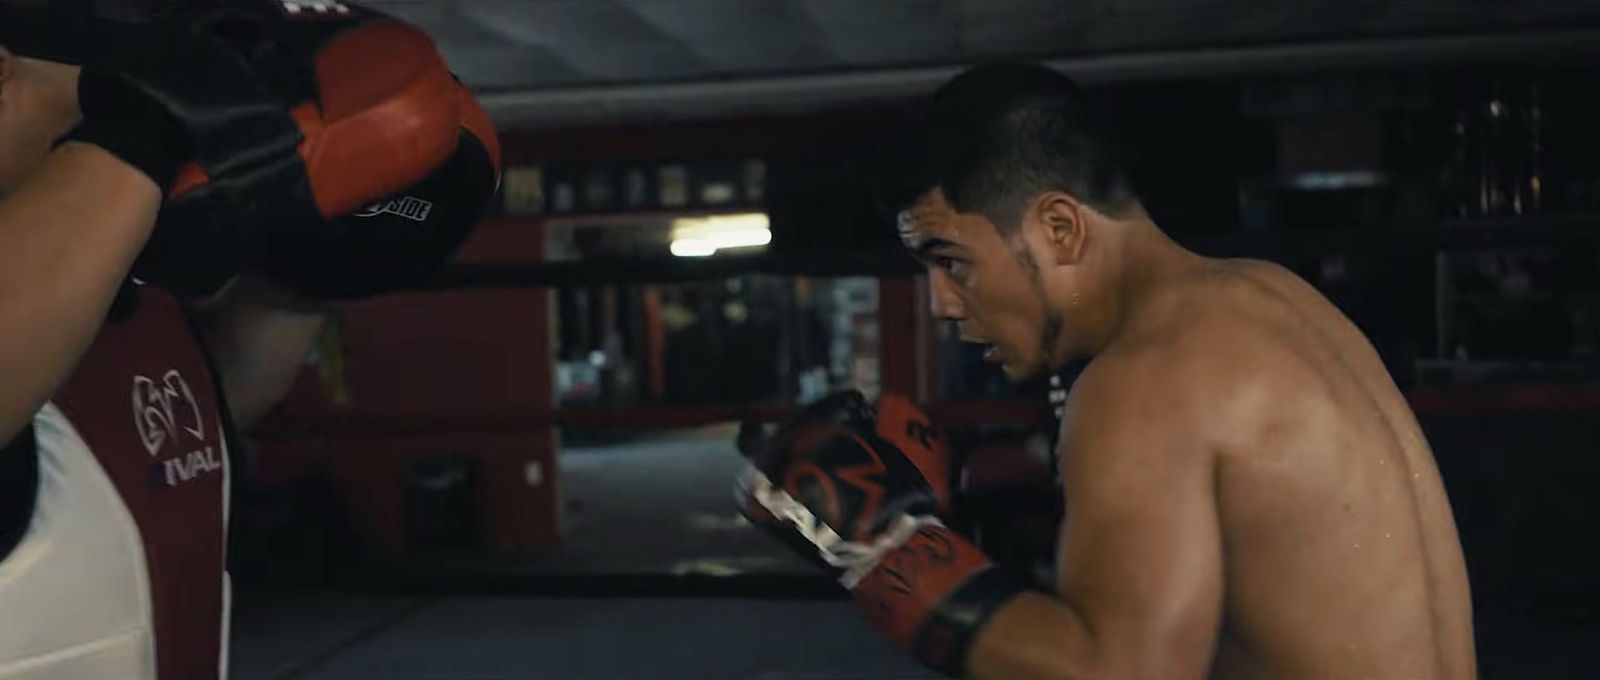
[(263, 117), (860, 489)]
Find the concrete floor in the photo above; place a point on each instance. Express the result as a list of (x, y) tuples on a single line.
[(341, 637), (660, 507), (561, 639)]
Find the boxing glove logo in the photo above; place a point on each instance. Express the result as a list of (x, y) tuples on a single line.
[(300, 8), (161, 409), (409, 207)]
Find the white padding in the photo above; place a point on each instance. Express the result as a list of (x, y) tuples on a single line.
[(75, 592)]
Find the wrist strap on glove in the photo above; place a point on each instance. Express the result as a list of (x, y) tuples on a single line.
[(130, 128), (933, 594), (927, 588)]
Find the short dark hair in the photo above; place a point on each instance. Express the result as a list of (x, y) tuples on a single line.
[(997, 135)]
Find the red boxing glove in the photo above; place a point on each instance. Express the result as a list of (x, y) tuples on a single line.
[(860, 489)]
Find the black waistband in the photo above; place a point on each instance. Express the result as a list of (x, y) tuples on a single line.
[(19, 487)]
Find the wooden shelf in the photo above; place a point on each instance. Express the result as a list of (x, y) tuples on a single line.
[(1509, 398), (1450, 234), (1488, 399), (1566, 220), (631, 217), (1016, 412), (1522, 298), (1287, 244), (1453, 234), (673, 270), (1495, 232)]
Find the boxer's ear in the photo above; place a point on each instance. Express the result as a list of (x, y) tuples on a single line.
[(1061, 221)]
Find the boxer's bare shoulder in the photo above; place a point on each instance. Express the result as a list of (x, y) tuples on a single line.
[(1339, 547)]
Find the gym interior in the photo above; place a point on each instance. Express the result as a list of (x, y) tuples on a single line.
[(525, 469)]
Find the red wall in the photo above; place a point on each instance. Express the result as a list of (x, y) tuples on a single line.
[(455, 372)]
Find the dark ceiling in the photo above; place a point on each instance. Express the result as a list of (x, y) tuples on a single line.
[(547, 60)]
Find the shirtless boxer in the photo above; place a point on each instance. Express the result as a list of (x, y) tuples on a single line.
[(132, 319), (1248, 494)]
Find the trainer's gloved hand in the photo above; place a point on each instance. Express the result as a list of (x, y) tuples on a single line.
[(278, 120), (860, 489), (148, 104)]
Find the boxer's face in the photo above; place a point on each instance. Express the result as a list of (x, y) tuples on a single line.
[(25, 128), (988, 284)]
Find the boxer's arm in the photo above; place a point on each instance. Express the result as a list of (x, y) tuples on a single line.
[(68, 235), (1140, 570), (258, 335)]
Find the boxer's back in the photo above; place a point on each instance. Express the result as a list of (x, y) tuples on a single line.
[(1341, 555)]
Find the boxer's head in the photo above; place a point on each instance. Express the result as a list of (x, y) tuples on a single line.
[(1013, 194)]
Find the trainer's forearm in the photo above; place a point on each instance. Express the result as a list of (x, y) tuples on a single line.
[(68, 236)]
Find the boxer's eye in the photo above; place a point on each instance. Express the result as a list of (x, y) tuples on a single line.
[(951, 265)]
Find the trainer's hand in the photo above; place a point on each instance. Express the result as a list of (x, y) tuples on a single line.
[(140, 106)]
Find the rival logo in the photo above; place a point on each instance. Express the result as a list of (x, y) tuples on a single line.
[(409, 207), (161, 409), (324, 7), (180, 469)]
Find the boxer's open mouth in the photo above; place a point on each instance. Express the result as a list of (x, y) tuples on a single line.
[(990, 353)]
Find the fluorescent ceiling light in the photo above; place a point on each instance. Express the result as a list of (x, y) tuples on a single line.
[(704, 236)]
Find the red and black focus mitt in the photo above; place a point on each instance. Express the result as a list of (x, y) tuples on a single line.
[(398, 241), (861, 489), (270, 121)]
